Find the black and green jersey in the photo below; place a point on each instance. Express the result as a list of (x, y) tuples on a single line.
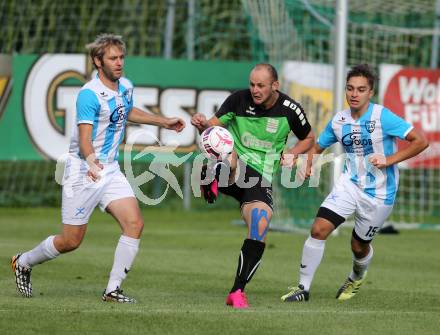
[(261, 134)]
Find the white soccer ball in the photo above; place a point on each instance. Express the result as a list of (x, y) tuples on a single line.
[(216, 143)]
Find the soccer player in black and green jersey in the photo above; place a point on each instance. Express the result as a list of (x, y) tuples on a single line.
[(260, 119)]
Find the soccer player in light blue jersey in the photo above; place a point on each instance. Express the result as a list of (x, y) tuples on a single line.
[(367, 187), (92, 175)]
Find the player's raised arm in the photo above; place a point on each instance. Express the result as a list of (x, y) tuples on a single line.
[(417, 143), (138, 116)]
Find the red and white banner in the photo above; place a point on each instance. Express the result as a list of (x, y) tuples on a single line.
[(414, 94)]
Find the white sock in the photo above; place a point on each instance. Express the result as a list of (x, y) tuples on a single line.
[(360, 266), (311, 258), (125, 253), (41, 253)]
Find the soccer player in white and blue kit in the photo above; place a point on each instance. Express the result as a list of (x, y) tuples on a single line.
[(367, 187), (92, 175)]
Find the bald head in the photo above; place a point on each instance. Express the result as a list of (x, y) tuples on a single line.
[(269, 68)]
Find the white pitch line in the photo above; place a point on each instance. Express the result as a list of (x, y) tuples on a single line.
[(230, 310)]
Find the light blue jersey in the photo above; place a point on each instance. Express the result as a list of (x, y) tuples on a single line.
[(107, 111), (373, 132)]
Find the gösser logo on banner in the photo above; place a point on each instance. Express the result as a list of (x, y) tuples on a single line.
[(44, 89)]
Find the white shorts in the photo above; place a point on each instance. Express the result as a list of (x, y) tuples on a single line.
[(370, 213), (81, 195)]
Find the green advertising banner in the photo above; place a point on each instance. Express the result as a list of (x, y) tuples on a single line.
[(38, 116)]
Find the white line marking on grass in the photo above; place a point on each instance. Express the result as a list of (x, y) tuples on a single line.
[(225, 311)]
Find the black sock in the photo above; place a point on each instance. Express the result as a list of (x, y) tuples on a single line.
[(248, 262)]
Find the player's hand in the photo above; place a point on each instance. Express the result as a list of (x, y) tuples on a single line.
[(199, 121), (174, 123), (288, 160), (304, 167), (95, 168), (378, 160), (308, 170)]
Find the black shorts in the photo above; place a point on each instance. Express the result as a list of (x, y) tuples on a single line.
[(254, 193)]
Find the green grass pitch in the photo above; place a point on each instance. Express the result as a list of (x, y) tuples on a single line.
[(186, 266)]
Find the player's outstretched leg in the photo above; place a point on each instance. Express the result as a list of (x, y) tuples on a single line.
[(211, 177), (22, 277), (209, 189), (22, 264)]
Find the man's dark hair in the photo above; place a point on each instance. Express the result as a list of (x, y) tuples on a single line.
[(270, 68), (363, 70)]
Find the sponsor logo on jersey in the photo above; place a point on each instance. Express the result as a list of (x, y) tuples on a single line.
[(354, 138), (354, 143), (49, 103), (118, 115), (251, 141)]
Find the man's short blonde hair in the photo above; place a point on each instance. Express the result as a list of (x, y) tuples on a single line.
[(101, 43)]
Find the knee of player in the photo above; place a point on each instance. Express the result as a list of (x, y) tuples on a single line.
[(360, 250), (136, 224), (259, 224), (70, 244), (319, 231)]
